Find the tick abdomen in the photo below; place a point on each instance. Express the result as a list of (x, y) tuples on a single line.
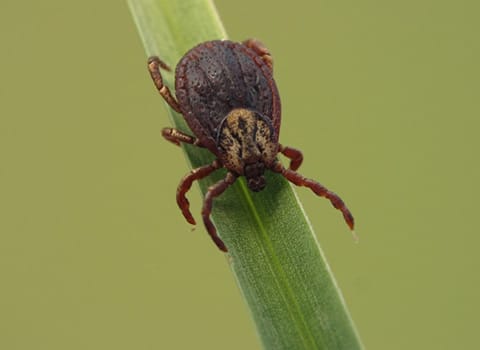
[(223, 75)]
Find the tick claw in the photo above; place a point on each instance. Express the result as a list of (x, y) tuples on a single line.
[(186, 212), (191, 220), (221, 245), (355, 237), (347, 216)]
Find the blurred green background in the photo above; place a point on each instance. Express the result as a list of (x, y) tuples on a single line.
[(381, 96)]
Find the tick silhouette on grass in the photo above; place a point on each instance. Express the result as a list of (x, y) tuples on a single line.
[(226, 93)]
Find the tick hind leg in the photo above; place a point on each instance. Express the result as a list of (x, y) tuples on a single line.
[(260, 50), (318, 189), (295, 155), (186, 184), (176, 136), (215, 191), (154, 65)]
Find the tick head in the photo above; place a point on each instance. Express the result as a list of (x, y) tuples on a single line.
[(254, 174)]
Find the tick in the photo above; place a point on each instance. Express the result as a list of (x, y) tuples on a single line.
[(228, 97)]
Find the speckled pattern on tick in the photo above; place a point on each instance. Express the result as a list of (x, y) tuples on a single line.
[(226, 93)]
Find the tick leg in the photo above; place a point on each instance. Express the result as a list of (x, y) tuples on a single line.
[(295, 155), (260, 50), (186, 184), (215, 191), (319, 190), (176, 136), (154, 65)]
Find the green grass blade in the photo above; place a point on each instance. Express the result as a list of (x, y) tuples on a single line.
[(274, 255)]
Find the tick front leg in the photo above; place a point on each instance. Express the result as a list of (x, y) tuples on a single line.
[(295, 155), (215, 191), (186, 184), (176, 136), (260, 50), (318, 189), (154, 65)]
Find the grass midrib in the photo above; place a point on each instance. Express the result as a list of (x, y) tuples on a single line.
[(279, 275)]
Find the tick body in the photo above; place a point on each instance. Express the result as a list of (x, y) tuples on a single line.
[(229, 99)]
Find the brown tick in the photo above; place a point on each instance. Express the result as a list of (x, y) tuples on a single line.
[(227, 95)]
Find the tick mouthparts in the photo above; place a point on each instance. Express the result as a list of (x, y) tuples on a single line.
[(256, 184)]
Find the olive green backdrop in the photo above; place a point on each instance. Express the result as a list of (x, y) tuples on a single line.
[(382, 97)]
